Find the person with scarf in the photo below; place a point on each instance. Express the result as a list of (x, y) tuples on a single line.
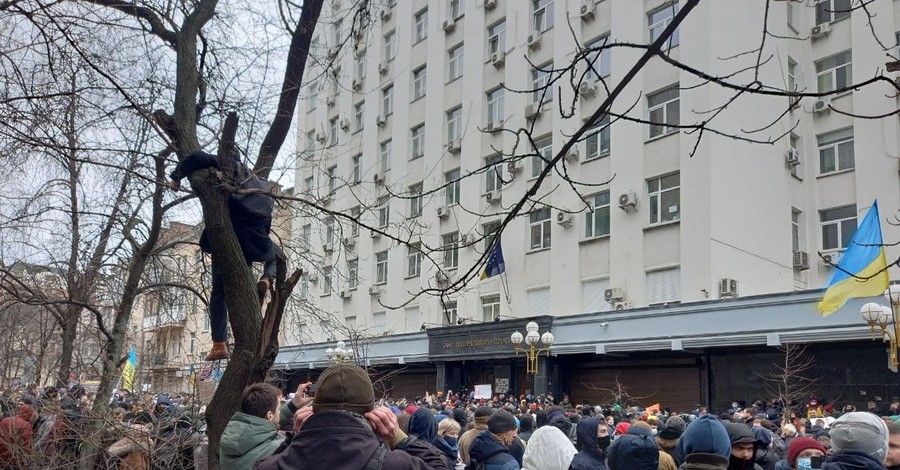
[(593, 440), (422, 424), (447, 439)]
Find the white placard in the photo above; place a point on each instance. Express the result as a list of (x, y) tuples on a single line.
[(483, 392)]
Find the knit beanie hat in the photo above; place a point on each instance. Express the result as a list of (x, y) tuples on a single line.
[(800, 444), (860, 431), (673, 429), (501, 422), (344, 387)]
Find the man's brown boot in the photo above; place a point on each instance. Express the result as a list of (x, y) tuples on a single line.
[(219, 351), (262, 288)]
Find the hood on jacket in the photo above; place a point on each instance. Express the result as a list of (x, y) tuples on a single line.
[(559, 421), (586, 435), (244, 432), (486, 446), (423, 424), (633, 452), (705, 435), (850, 460), (739, 433), (548, 449), (763, 436)]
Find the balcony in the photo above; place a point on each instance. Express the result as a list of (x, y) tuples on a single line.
[(167, 318), (162, 361)]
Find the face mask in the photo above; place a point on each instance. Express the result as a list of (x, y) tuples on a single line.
[(451, 441), (653, 431), (604, 442), (804, 464), (734, 405)]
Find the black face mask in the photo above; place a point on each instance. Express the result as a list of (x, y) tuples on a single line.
[(735, 463), (604, 442)]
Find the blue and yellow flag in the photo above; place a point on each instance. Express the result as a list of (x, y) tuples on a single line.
[(129, 370), (495, 264), (862, 271)]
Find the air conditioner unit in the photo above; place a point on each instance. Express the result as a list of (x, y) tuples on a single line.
[(623, 305), (345, 294), (349, 241), (573, 155), (333, 52), (587, 90), (454, 146), (534, 41), (493, 126), (564, 219), (329, 100), (313, 276), (442, 212), (628, 201), (498, 59), (792, 158), (345, 124), (356, 85), (819, 31), (378, 178), (380, 120), (375, 291), (513, 166), (822, 105), (383, 68), (829, 259), (441, 277), (614, 295), (489, 4), (386, 14), (492, 197), (328, 247), (320, 136), (533, 111), (801, 261), (586, 12), (449, 25), (466, 239), (374, 234), (728, 288)]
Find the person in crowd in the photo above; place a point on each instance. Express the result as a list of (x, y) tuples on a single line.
[(491, 446), (893, 458), (640, 428), (447, 440), (593, 438), (705, 445), (788, 433), (672, 429), (766, 454), (252, 433), (343, 429), (800, 453), (549, 449), (634, 450), (16, 437), (422, 425), (743, 447), (860, 442), (482, 414), (526, 427)]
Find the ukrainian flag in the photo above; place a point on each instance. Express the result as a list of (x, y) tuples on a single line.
[(862, 271), (495, 263), (129, 370)]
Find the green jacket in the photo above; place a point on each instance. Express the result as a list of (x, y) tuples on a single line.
[(247, 439)]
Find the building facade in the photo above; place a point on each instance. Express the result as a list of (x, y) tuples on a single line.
[(397, 129)]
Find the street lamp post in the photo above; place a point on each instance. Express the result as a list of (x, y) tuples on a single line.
[(340, 353), (884, 320), (532, 338)]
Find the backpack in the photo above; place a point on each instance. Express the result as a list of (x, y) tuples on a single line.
[(377, 460)]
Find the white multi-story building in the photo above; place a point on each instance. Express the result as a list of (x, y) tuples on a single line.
[(678, 221)]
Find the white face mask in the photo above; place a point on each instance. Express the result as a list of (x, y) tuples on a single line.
[(804, 464), (653, 431)]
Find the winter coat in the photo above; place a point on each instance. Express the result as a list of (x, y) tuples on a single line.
[(423, 425), (548, 449), (851, 461), (703, 461), (336, 440), (705, 435), (589, 457), (633, 452), (468, 437), (783, 465), (486, 448), (517, 450), (246, 439), (666, 462), (15, 437)]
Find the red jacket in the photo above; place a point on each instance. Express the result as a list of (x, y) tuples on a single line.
[(15, 437)]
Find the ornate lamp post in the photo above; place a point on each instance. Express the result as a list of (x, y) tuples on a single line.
[(884, 320), (339, 354), (532, 338)]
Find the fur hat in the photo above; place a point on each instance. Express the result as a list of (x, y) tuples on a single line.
[(344, 387), (501, 422), (860, 431)]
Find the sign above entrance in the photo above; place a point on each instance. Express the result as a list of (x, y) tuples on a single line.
[(481, 341)]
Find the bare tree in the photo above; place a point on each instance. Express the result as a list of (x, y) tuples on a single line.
[(791, 382)]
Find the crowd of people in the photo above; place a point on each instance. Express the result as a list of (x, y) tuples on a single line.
[(343, 426)]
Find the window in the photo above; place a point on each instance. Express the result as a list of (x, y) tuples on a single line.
[(387, 100), (539, 225), (544, 151), (451, 314), (412, 319), (358, 116), (493, 177), (834, 73), (308, 185), (838, 227), (310, 141), (490, 231), (418, 141), (599, 62), (495, 100), (361, 65), (792, 75), (304, 294), (385, 155), (795, 229), (306, 236), (384, 212), (355, 212), (598, 140), (543, 15), (663, 111), (421, 25), (414, 260), (455, 63), (326, 280), (497, 38), (793, 17), (390, 46), (665, 198), (356, 169), (329, 231), (452, 179), (592, 296), (451, 250), (205, 324), (353, 274), (415, 200), (490, 308), (538, 301), (332, 179), (832, 10), (338, 33), (795, 145), (542, 91), (418, 83), (659, 19), (381, 267), (836, 151), (332, 131), (664, 286), (454, 11), (454, 123), (313, 95), (596, 222)]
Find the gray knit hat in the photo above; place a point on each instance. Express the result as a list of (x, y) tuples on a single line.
[(860, 431)]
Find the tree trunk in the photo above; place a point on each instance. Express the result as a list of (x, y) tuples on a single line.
[(68, 333)]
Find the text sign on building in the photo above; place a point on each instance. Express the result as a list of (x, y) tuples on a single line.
[(481, 341)]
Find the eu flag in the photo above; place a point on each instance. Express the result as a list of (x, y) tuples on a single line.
[(495, 264)]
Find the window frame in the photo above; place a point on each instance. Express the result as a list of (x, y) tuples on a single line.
[(416, 200), (419, 81), (352, 274), (541, 90), (383, 212), (496, 41), (656, 27), (387, 100), (356, 169), (455, 57), (658, 194), (359, 116), (598, 206), (831, 12), (355, 213), (596, 136), (450, 248), (832, 73), (333, 131), (421, 25), (381, 268), (665, 124), (542, 12), (488, 304), (414, 257), (542, 227), (494, 175), (598, 61), (452, 182), (496, 99), (543, 155), (327, 282), (842, 238), (417, 140), (385, 149), (834, 140), (332, 179), (390, 45), (454, 124)]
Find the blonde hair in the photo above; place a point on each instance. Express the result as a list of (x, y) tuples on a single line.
[(789, 430), (448, 426)]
